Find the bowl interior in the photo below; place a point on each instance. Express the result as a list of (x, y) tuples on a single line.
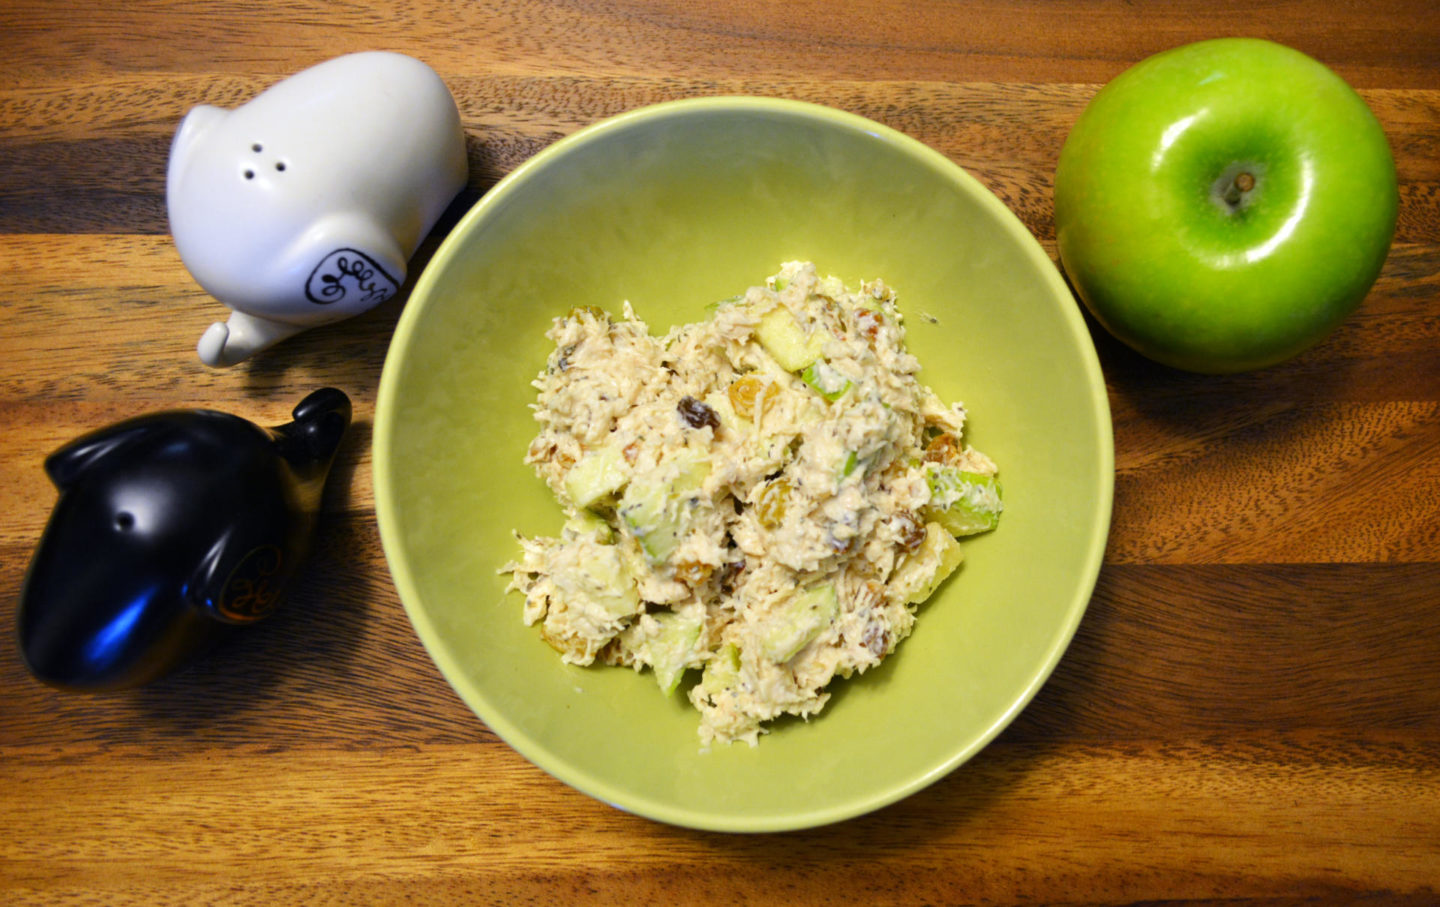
[(672, 208)]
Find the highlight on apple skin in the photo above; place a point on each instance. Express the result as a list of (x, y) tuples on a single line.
[(1225, 205)]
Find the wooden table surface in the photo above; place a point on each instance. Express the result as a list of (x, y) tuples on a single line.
[(1250, 710)]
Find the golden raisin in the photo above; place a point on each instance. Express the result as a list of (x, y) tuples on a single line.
[(693, 573), (770, 504), (944, 449), (751, 396)]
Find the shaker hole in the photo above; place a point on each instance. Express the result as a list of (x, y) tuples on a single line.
[(249, 174), (280, 165), (124, 520), (257, 148)]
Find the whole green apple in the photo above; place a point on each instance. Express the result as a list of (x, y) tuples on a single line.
[(1224, 205)]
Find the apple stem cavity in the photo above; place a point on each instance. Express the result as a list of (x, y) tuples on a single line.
[(1241, 184), (1232, 189)]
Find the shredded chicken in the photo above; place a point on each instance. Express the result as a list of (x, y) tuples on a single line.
[(764, 497)]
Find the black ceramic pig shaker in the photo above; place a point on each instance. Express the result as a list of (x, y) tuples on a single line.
[(171, 530)]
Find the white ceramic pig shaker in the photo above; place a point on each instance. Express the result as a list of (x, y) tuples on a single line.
[(303, 206)]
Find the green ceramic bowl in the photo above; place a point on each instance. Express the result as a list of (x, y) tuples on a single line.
[(673, 207)]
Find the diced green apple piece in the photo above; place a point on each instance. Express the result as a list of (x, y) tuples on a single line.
[(927, 566), (825, 379), (589, 524), (601, 579), (645, 509), (670, 649), (599, 472), (799, 622), (784, 338), (692, 468), (722, 671), (656, 510), (963, 502)]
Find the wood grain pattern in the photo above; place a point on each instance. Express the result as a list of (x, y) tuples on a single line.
[(1249, 713), (1300, 820)]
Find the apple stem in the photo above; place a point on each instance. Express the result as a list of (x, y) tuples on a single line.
[(1242, 183)]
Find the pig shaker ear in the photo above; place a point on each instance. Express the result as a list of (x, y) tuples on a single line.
[(66, 465), (199, 121), (320, 420)]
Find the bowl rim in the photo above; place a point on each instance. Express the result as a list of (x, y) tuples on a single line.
[(509, 732)]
